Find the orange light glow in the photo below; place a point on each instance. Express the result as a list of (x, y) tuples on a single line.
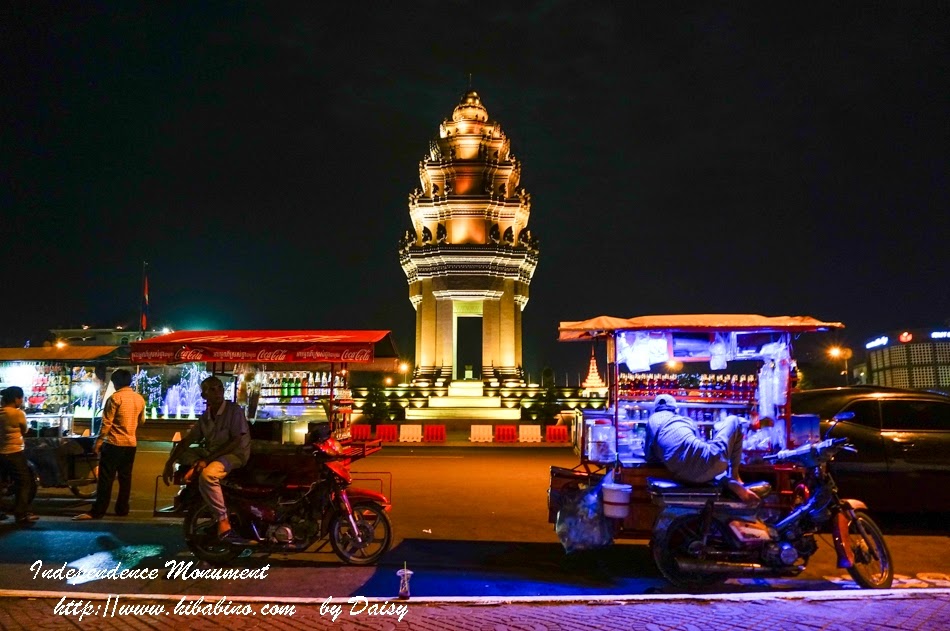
[(466, 230)]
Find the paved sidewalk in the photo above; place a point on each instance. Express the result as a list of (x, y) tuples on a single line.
[(920, 610)]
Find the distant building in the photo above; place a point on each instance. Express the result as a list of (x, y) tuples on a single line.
[(87, 336), (910, 358)]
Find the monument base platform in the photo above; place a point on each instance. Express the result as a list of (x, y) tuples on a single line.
[(473, 415)]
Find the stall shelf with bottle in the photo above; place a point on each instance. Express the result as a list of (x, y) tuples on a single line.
[(746, 369), (286, 380), (293, 396)]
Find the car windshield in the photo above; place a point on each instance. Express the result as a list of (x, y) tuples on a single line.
[(824, 404)]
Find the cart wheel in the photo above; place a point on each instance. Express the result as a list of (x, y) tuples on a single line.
[(81, 491), (87, 490)]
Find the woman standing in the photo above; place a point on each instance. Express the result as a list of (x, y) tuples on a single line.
[(12, 457)]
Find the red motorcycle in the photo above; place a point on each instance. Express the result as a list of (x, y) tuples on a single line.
[(290, 501)]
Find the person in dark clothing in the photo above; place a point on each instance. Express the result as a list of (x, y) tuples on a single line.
[(224, 440)]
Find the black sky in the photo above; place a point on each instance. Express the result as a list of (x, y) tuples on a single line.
[(681, 158)]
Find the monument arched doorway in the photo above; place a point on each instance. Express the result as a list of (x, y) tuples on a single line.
[(467, 333)]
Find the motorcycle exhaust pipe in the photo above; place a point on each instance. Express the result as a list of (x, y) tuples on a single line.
[(726, 567)]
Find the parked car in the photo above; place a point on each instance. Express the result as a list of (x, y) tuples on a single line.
[(903, 442)]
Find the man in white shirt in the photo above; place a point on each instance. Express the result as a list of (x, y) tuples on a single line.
[(124, 411)]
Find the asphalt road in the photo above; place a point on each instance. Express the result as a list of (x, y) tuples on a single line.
[(467, 521)]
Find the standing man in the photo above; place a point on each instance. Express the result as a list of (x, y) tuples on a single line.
[(123, 413), (224, 440)]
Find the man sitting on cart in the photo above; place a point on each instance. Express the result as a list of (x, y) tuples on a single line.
[(225, 445), (676, 442)]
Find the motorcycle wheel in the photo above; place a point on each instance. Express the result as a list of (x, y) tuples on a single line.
[(201, 535), (674, 542), (375, 530), (869, 572)]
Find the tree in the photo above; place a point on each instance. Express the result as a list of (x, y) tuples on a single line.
[(376, 406), (549, 407)]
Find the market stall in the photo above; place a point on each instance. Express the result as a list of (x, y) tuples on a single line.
[(64, 389), (285, 380), (742, 365), (61, 384)]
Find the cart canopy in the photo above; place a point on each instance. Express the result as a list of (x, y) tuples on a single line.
[(359, 348), (66, 353), (603, 326)]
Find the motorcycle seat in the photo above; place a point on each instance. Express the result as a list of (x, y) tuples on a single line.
[(759, 488), (673, 488), (254, 481)]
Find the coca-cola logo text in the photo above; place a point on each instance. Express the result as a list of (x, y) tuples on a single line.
[(276, 355), (361, 355), (190, 355)]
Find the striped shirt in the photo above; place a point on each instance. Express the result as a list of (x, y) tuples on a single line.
[(123, 413)]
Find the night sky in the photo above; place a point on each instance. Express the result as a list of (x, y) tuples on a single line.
[(681, 158)]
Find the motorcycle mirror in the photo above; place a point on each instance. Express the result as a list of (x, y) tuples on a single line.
[(837, 418)]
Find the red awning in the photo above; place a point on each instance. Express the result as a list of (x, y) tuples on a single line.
[(602, 325), (282, 347)]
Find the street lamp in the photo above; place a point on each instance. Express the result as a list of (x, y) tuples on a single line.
[(403, 369), (837, 352)]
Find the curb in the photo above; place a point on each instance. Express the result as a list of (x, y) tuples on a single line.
[(811, 596)]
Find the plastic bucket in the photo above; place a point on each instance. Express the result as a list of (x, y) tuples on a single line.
[(617, 500)]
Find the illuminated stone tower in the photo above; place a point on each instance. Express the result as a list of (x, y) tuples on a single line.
[(469, 252)]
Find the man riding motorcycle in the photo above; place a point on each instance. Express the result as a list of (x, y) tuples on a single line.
[(225, 445)]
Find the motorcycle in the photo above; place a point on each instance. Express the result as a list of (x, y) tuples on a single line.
[(703, 535), (290, 503)]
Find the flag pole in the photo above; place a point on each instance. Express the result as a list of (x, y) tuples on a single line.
[(143, 310)]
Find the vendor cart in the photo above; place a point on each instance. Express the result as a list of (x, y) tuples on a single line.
[(742, 365), (285, 380), (57, 461)]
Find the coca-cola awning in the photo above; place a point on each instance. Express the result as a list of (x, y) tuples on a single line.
[(281, 347)]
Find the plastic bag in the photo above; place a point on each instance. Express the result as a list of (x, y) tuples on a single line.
[(581, 524), (718, 353)]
